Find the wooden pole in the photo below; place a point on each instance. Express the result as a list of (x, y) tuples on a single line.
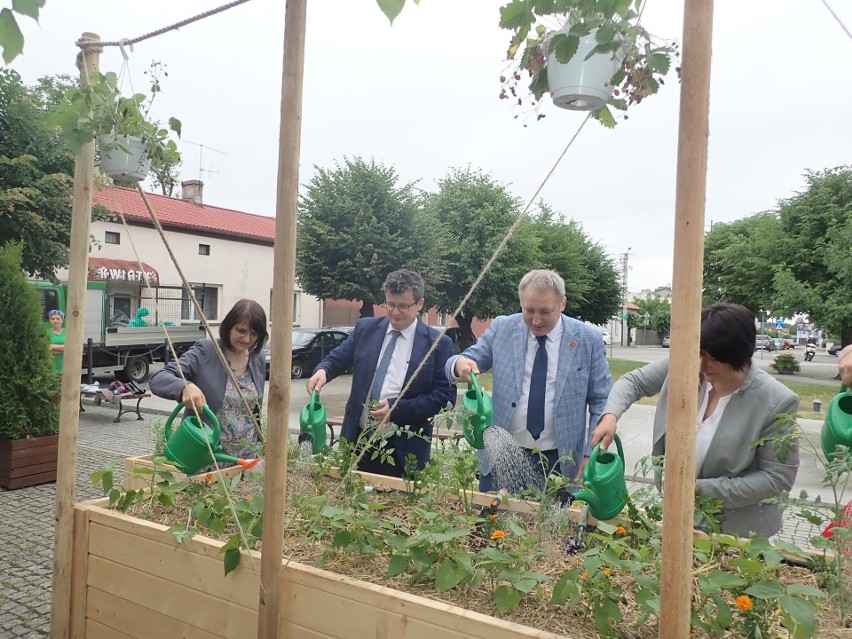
[(69, 411), (679, 494), (283, 285)]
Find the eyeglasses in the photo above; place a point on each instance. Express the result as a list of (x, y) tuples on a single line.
[(398, 307)]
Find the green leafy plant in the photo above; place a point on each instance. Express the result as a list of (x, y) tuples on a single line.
[(785, 364), (97, 111), (29, 402), (557, 25), (11, 38)]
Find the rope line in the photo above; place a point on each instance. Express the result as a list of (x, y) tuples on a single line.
[(83, 44), (837, 18)]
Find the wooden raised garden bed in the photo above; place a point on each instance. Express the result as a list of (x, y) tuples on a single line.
[(28, 462), (133, 479), (130, 580)]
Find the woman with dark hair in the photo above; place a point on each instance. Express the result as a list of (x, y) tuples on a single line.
[(738, 404), (242, 335)]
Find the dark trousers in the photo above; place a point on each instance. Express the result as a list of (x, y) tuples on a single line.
[(540, 470)]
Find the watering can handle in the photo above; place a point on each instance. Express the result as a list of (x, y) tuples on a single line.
[(597, 451), (480, 401), (217, 429), (314, 398)]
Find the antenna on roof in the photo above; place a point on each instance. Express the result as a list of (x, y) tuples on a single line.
[(201, 148)]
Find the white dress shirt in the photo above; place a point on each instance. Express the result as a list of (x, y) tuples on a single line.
[(707, 427), (518, 424)]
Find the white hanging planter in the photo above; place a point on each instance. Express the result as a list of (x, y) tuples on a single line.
[(133, 164), (580, 84)]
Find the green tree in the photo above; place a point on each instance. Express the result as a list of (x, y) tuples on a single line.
[(35, 174), (29, 402), (738, 261), (659, 310), (356, 225), (797, 259), (471, 214), (591, 280), (813, 273)]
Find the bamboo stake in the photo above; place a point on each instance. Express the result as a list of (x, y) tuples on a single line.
[(679, 495), (69, 411), (289, 141)]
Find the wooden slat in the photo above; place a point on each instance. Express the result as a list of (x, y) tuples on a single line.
[(133, 480), (344, 607), (97, 630), (79, 571), (195, 608), (138, 622), (195, 564), (46, 456), (29, 480), (32, 469)]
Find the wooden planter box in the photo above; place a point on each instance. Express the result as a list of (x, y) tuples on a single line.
[(129, 580), (135, 480), (28, 462)]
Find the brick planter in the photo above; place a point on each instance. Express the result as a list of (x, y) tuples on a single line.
[(28, 462)]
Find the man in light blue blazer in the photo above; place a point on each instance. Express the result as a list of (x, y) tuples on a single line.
[(551, 377), (383, 353)]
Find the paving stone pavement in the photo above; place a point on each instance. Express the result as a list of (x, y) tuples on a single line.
[(27, 520)]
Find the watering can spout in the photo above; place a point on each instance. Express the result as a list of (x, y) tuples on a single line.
[(603, 478), (230, 459), (312, 423), (478, 412)]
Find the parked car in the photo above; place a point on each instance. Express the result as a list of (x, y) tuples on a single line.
[(763, 343), (835, 349), (778, 344), (607, 338), (666, 341), (454, 333), (310, 346)]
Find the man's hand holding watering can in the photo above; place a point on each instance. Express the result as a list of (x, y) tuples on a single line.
[(464, 367), (845, 366), (192, 396), (316, 381)]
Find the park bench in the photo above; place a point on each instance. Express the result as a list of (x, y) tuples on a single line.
[(100, 396)]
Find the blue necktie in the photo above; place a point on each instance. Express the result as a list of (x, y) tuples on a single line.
[(382, 370), (538, 382)]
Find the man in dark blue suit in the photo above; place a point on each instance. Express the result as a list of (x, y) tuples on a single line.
[(383, 353)]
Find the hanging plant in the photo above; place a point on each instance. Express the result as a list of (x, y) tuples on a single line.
[(548, 32)]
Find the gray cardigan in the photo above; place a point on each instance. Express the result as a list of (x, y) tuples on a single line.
[(732, 471), (202, 367)]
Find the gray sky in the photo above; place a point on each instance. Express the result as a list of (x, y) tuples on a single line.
[(421, 95)]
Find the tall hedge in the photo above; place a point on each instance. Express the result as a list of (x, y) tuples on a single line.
[(29, 387)]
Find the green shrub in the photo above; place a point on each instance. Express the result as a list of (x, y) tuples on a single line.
[(785, 364), (29, 387)]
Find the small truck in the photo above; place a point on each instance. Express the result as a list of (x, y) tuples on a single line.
[(113, 341)]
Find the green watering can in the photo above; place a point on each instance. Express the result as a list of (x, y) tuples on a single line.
[(312, 423), (478, 411), (837, 428), (187, 446), (603, 478)]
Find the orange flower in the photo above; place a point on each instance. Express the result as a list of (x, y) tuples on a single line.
[(492, 517), (606, 571), (249, 498), (585, 575), (498, 534), (744, 603), (620, 530), (208, 477)]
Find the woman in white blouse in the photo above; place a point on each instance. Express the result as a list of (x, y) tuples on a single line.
[(738, 404)]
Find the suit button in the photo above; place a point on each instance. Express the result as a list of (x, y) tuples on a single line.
[(514, 405)]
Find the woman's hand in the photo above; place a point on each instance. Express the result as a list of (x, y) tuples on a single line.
[(192, 396), (605, 430), (845, 366), (317, 381)]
